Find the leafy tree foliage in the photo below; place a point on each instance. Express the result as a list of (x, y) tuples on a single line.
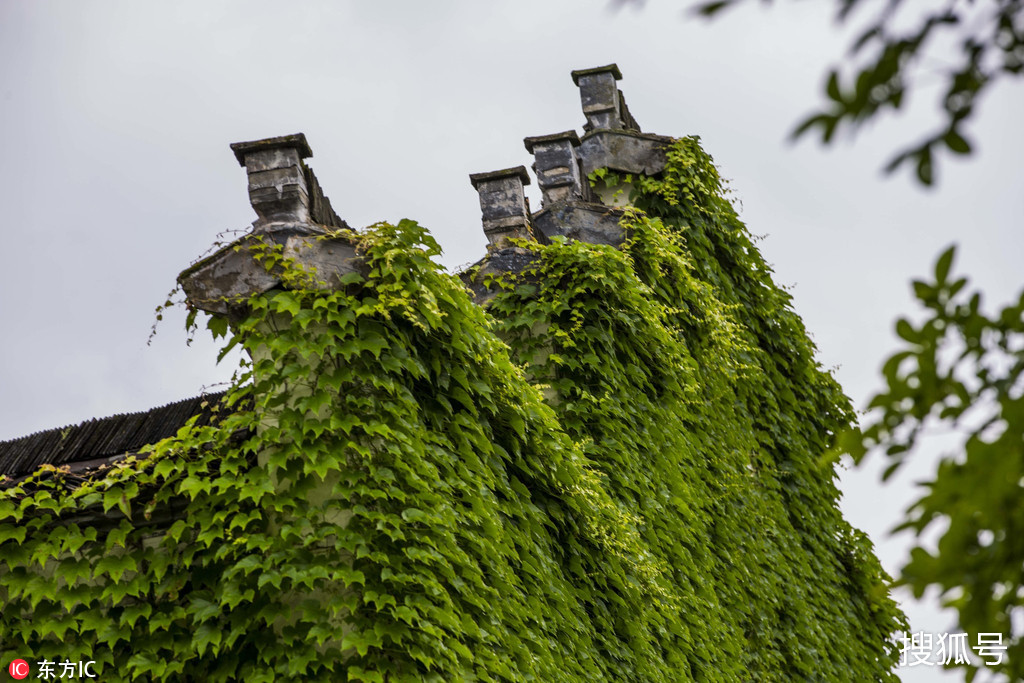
[(611, 473), (962, 370), (889, 61)]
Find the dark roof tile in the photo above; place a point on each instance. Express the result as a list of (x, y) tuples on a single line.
[(101, 437)]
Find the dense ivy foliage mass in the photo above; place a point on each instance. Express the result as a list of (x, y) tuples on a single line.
[(611, 473), (681, 366)]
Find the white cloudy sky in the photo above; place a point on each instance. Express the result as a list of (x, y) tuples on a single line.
[(116, 172)]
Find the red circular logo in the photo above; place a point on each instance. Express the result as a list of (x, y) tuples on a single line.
[(19, 669)]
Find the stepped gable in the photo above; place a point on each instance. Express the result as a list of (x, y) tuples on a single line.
[(571, 208), (294, 214)]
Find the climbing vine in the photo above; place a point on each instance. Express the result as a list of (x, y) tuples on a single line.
[(684, 370), (609, 473)]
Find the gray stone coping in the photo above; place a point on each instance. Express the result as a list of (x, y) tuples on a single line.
[(296, 141), (569, 135), (610, 68), (477, 178)]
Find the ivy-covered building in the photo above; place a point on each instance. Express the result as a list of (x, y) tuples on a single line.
[(600, 453)]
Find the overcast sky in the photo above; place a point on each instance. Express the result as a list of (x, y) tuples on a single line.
[(116, 172)]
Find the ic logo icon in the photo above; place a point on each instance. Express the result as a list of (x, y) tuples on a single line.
[(18, 669)]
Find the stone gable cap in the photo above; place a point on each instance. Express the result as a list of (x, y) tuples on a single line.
[(569, 135), (625, 132), (296, 141), (612, 68), (477, 178)]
